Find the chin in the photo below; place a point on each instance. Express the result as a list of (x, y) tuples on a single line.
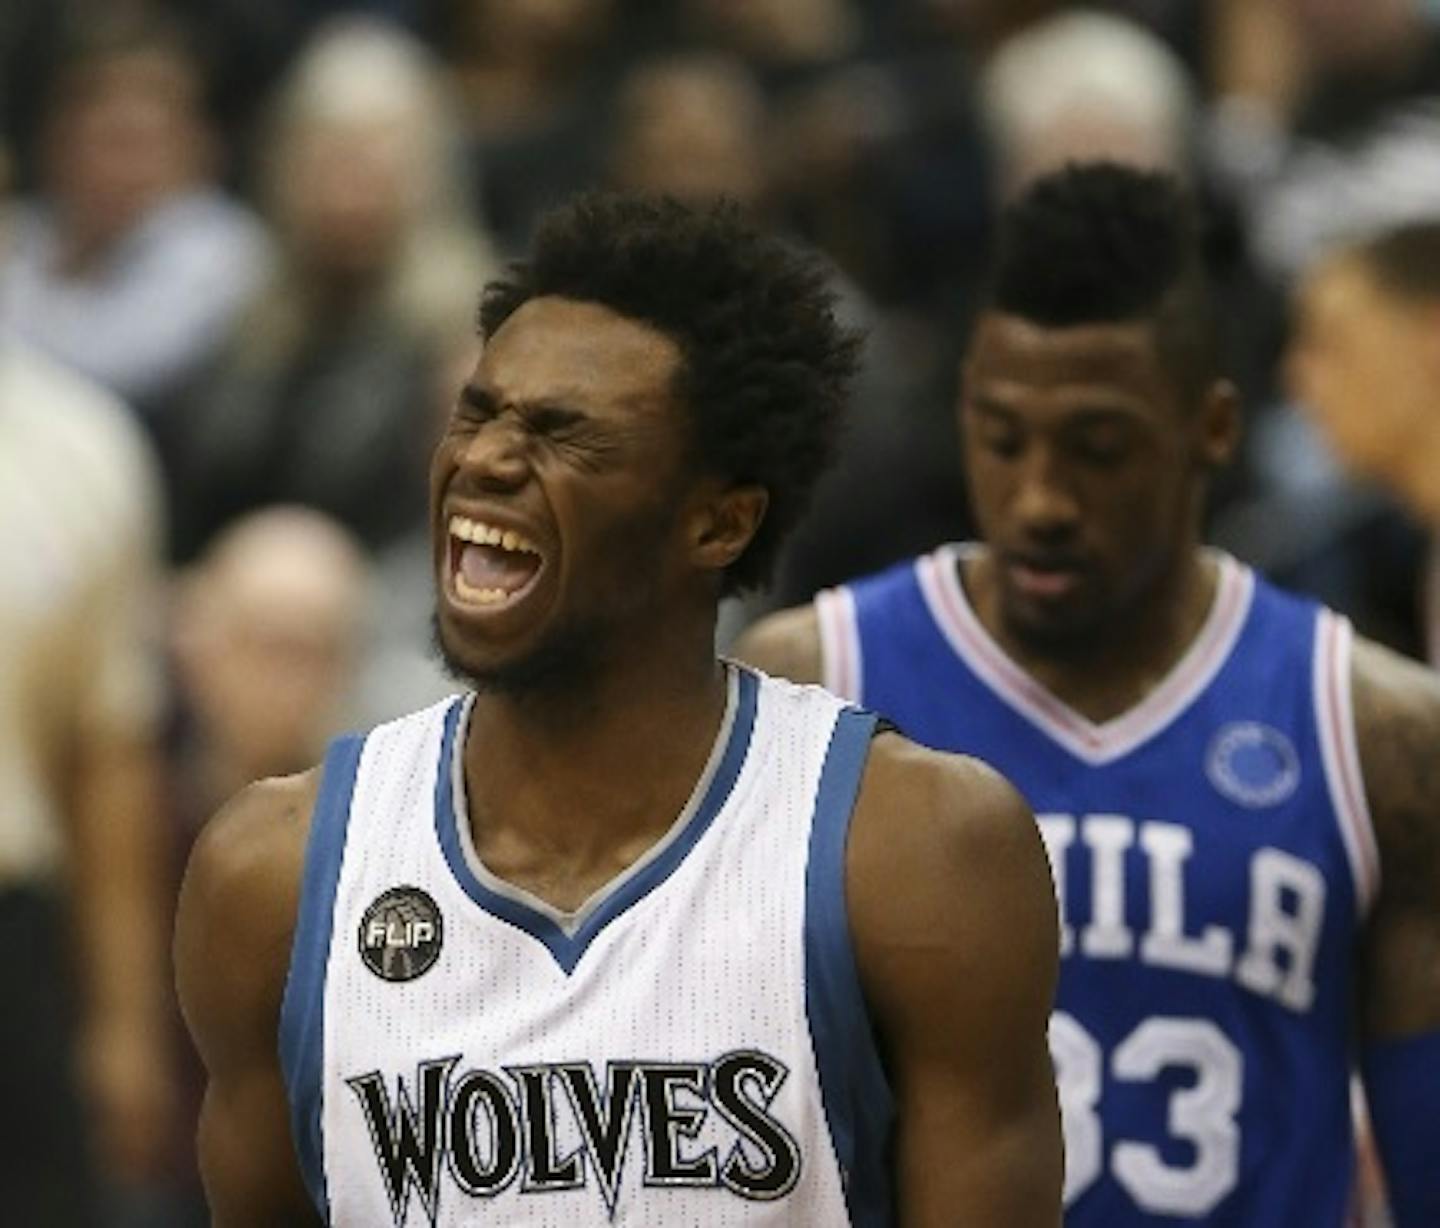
[(559, 662), (1055, 630)]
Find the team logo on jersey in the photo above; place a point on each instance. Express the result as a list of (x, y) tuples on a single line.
[(555, 1127), (1253, 764), (400, 934)]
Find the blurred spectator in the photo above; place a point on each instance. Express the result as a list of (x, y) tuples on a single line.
[(780, 38), (1327, 121), (267, 628), (534, 78), (318, 397), (691, 126), (130, 265), (1365, 362), (83, 1071), (1085, 85)]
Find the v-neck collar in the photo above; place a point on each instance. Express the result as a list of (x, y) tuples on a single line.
[(1091, 741), (567, 935)]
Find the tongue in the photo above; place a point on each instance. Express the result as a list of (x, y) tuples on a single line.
[(491, 567)]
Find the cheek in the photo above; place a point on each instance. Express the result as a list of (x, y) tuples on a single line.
[(989, 483), (1142, 506)]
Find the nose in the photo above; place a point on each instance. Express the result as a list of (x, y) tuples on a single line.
[(496, 457), (1045, 505)]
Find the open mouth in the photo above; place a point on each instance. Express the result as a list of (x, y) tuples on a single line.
[(490, 566), (1043, 579)]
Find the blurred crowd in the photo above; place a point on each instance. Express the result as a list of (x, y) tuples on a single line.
[(240, 248)]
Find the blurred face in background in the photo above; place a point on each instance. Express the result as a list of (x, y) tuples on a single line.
[(125, 134), (345, 197), (1365, 363), (266, 630), (691, 129)]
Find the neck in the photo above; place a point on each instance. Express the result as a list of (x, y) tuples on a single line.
[(600, 766)]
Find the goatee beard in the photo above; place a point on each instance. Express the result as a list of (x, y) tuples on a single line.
[(562, 662)]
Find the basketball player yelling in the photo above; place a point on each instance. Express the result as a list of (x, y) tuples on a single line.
[(625, 934)]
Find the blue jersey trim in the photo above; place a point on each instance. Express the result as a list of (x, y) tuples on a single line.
[(302, 1011), (858, 1103), (568, 949)]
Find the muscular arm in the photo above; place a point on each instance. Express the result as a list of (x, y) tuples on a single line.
[(1397, 712), (1397, 715), (786, 644), (959, 968), (232, 952)]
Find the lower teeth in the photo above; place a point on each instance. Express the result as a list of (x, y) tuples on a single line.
[(480, 596)]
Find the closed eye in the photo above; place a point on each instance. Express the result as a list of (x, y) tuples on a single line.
[(997, 432), (1102, 440), (553, 420), (475, 404)]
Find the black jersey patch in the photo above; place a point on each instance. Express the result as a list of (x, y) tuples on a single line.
[(400, 934)]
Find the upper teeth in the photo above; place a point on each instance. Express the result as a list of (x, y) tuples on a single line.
[(483, 534)]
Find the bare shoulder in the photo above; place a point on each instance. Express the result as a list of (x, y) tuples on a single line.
[(950, 805), (1397, 727), (786, 644), (238, 904), (968, 852)]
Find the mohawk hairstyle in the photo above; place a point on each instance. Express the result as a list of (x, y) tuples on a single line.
[(1103, 243), (766, 368)]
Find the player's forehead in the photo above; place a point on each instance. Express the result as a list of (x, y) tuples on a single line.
[(578, 353), (1018, 364)]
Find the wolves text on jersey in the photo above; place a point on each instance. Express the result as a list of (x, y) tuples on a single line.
[(1286, 908), (482, 1130)]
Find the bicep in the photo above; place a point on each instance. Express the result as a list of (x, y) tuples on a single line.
[(981, 1136), (232, 937), (247, 1160), (1398, 717), (961, 967)]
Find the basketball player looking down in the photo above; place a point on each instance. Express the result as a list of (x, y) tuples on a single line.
[(628, 934), (1241, 803)]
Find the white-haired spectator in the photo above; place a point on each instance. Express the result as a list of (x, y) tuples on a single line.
[(320, 395), (1085, 85)]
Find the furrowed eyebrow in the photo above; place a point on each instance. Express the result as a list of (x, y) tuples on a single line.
[(476, 397)]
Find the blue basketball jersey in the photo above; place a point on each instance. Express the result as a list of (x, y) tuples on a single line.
[(1213, 858)]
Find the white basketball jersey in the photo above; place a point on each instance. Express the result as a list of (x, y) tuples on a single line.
[(689, 1048)]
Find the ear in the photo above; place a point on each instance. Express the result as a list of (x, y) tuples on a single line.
[(724, 521), (1219, 421)]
